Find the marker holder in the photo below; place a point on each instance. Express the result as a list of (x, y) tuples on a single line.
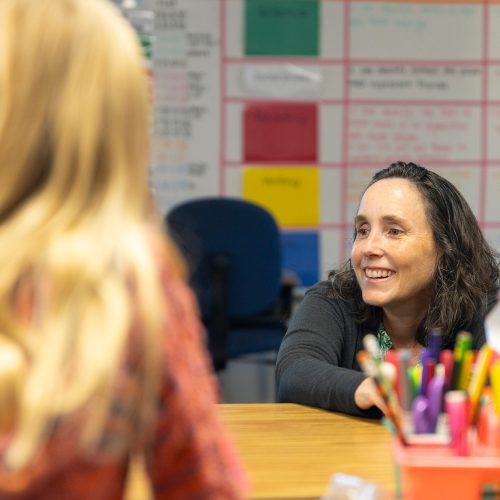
[(434, 472)]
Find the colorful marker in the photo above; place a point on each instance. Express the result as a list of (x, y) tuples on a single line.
[(495, 385), (463, 344), (405, 386), (370, 368), (446, 359), (466, 370), (428, 365), (435, 344), (457, 408), (478, 380), (392, 357)]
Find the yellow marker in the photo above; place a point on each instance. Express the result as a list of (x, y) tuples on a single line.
[(478, 379), (463, 344), (415, 375), (465, 370), (495, 385)]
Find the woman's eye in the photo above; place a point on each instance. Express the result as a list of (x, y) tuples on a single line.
[(361, 231), (394, 231)]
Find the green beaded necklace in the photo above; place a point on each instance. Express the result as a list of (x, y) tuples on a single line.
[(384, 341)]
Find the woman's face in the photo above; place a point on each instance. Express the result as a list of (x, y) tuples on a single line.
[(394, 254)]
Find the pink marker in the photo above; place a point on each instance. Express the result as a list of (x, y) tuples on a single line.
[(457, 408)]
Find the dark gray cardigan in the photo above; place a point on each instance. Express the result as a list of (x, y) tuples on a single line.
[(317, 363)]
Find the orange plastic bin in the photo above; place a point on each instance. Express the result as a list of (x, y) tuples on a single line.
[(433, 472)]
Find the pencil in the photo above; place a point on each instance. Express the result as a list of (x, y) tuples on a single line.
[(369, 368)]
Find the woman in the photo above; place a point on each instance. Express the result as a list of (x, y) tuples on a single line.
[(419, 261), (101, 355)]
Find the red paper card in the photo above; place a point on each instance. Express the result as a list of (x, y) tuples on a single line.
[(280, 132)]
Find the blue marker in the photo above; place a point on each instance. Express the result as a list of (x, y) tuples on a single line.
[(435, 344)]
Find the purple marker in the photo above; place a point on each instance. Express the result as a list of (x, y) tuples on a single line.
[(435, 391), (420, 414)]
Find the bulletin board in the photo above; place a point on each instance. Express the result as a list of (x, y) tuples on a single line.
[(294, 104)]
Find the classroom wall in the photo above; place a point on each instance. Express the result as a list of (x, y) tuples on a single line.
[(294, 104)]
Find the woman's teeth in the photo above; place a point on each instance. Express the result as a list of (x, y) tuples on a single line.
[(378, 273)]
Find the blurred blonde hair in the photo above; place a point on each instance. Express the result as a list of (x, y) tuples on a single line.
[(77, 233)]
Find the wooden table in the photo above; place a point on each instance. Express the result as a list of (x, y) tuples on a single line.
[(291, 451)]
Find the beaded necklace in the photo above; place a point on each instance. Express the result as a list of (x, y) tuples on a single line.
[(383, 339), (385, 342)]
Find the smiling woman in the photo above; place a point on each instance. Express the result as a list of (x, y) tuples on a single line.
[(419, 261), (394, 254)]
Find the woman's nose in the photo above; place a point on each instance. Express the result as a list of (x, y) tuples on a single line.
[(373, 244)]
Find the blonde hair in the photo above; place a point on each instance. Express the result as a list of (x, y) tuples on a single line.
[(76, 229)]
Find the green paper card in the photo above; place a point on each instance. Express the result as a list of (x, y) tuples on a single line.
[(282, 27)]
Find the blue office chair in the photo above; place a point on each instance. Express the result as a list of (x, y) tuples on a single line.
[(234, 256)]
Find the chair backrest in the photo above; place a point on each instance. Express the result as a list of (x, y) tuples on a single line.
[(244, 234)]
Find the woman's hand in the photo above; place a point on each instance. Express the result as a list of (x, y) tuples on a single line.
[(367, 395)]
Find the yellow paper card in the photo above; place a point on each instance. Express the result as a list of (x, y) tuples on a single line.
[(290, 194)]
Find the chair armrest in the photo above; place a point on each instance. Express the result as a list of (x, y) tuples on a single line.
[(218, 322), (289, 280), (281, 310)]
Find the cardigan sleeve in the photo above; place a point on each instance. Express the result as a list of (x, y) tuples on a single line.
[(316, 363)]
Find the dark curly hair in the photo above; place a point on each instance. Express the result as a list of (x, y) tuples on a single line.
[(467, 272)]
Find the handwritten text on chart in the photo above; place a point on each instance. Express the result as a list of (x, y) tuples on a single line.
[(407, 16), (393, 82), (426, 132), (409, 30), (185, 146)]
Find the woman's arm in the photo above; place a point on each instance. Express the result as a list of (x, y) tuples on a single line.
[(316, 363)]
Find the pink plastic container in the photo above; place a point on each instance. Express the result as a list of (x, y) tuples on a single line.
[(433, 472)]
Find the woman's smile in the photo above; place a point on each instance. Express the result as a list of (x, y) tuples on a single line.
[(394, 254), (378, 274)]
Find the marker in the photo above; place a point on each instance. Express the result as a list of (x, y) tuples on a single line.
[(392, 357), (426, 408), (415, 374), (428, 364), (488, 423), (466, 370), (371, 346), (371, 369), (405, 387), (435, 344), (435, 391), (457, 408), (446, 359), (495, 385), (463, 344), (420, 415), (478, 380)]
